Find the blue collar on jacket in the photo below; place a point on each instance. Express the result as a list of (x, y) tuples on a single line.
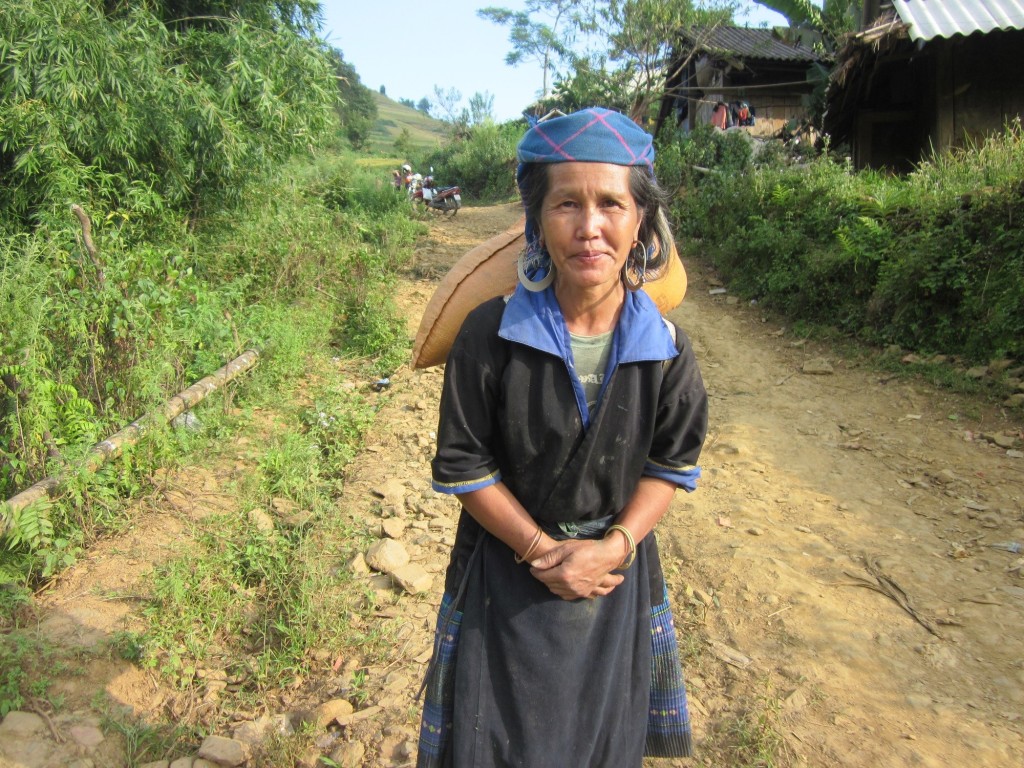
[(535, 319)]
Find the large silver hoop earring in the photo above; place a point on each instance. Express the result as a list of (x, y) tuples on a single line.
[(524, 262), (637, 265)]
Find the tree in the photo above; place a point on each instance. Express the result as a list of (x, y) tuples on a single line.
[(481, 108), (403, 143), (590, 83), (447, 103), (423, 105), (96, 106), (539, 41), (642, 36), (301, 16), (383, 91), (830, 24), (357, 111), (407, 103), (833, 20)]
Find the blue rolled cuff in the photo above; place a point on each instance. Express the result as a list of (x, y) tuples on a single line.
[(685, 477)]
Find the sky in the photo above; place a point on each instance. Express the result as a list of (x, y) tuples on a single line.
[(409, 46)]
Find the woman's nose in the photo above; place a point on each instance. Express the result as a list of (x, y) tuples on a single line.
[(589, 223)]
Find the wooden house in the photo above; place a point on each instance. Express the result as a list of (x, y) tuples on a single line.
[(926, 75), (773, 75)]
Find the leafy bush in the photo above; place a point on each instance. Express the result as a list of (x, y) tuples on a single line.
[(101, 108), (371, 328), (23, 672), (356, 109), (89, 343), (933, 261), (704, 162), (483, 163)]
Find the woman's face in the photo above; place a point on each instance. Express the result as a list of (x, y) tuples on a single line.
[(589, 221)]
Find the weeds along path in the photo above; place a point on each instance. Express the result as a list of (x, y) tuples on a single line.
[(835, 595)]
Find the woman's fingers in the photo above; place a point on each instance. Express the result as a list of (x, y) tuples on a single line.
[(554, 557), (574, 578)]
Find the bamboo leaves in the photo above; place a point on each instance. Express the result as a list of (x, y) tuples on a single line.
[(93, 103)]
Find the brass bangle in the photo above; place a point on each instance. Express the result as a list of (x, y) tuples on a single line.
[(631, 556), (533, 545)]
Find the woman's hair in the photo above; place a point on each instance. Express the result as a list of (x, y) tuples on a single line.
[(650, 198)]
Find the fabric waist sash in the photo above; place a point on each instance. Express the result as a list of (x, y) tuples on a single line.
[(580, 529)]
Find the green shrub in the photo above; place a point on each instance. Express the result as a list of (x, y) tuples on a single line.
[(700, 168), (932, 261), (371, 328), (483, 163), (88, 344), (96, 106)]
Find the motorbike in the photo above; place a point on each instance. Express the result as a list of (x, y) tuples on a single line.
[(424, 189)]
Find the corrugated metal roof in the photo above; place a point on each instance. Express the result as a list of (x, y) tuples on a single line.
[(928, 19), (751, 43)]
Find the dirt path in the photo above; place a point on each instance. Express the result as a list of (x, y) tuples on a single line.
[(832, 504), (831, 577)]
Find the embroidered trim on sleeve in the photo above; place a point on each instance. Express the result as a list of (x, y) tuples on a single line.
[(466, 486)]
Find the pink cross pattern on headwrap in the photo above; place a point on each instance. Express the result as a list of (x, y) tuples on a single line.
[(598, 118)]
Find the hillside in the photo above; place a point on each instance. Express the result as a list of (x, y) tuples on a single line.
[(392, 117)]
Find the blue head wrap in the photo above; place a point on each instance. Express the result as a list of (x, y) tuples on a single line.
[(594, 135)]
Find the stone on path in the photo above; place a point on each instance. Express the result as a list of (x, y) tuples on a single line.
[(393, 527), (86, 735), (224, 751), (255, 732), (817, 366), (263, 522), (349, 755), (413, 578), (336, 710), (25, 741), (22, 724), (386, 555), (358, 565), (392, 492), (1001, 439)]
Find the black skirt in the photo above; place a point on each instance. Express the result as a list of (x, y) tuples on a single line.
[(521, 677)]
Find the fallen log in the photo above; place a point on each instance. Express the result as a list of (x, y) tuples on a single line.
[(113, 446)]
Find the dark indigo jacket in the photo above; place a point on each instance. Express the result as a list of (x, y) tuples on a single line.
[(513, 410)]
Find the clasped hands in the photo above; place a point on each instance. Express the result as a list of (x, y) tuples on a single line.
[(578, 568)]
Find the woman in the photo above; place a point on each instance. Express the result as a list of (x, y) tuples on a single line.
[(570, 414), (720, 116)]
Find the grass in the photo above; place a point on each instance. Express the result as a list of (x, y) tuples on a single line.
[(240, 597), (26, 666), (756, 736), (246, 592), (424, 132)]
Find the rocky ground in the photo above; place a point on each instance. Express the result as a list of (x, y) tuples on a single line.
[(844, 581)]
